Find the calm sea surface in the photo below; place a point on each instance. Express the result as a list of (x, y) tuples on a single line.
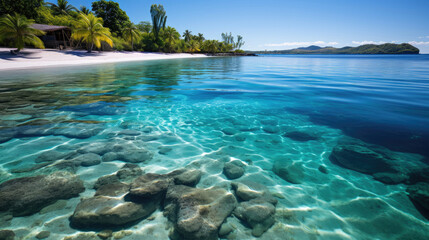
[(193, 111)]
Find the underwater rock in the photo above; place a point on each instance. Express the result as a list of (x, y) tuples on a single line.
[(418, 175), (323, 169), (87, 159), (419, 195), (131, 155), (291, 172), (7, 235), (301, 136), (126, 174), (361, 158), (271, 129), (390, 178), (152, 185), (42, 235), (104, 211), (129, 172), (229, 131), (105, 234), (198, 213), (225, 229), (164, 150), (233, 170), (386, 166), (248, 190), (51, 156), (28, 195), (258, 213), (112, 189), (188, 177), (149, 186), (78, 130)]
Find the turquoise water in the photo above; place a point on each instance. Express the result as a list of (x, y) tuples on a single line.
[(201, 113)]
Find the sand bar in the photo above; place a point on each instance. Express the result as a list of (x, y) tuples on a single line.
[(37, 58)]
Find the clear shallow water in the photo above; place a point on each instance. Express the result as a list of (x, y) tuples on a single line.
[(208, 111)]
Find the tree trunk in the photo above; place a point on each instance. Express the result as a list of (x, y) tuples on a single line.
[(90, 48), (132, 44)]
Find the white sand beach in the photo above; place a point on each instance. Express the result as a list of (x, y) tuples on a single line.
[(36, 58)]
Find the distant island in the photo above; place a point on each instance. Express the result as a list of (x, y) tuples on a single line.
[(387, 48)]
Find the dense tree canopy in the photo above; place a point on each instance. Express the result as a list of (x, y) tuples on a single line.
[(113, 16), (28, 8), (17, 28), (110, 24)]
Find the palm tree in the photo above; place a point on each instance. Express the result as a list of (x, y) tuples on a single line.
[(18, 29), (194, 46), (159, 19), (211, 46), (170, 35), (131, 33), (84, 10), (187, 35), (62, 7), (200, 37), (90, 29)]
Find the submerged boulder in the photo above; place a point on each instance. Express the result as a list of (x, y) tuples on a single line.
[(258, 213), (258, 206), (419, 195), (234, 169), (105, 211), (292, 172), (301, 136), (28, 195), (198, 213), (386, 166)]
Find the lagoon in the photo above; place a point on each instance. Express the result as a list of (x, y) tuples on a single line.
[(338, 141)]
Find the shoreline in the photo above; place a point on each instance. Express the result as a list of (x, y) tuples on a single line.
[(41, 58)]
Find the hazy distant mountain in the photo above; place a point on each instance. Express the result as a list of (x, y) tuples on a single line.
[(387, 48), (312, 47)]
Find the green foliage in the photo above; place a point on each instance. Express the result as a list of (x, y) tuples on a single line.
[(231, 44), (194, 46), (62, 7), (159, 19), (131, 34), (46, 16), (211, 46), (84, 10), (170, 37), (187, 35), (113, 16), (90, 30), (27, 8), (144, 27), (17, 29)]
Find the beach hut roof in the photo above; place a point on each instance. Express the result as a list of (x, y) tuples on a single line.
[(48, 28)]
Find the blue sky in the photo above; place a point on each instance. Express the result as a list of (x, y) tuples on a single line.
[(286, 24)]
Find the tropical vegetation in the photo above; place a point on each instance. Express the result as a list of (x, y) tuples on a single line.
[(106, 26), (18, 31), (90, 30)]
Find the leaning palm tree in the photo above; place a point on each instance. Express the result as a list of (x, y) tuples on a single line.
[(187, 35), (62, 7), (131, 33), (17, 28), (84, 10), (90, 29)]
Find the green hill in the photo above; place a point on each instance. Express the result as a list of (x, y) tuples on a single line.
[(387, 48)]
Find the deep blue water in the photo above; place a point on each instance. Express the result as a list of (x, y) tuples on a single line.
[(208, 109)]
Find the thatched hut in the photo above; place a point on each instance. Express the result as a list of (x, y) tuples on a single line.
[(56, 36)]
